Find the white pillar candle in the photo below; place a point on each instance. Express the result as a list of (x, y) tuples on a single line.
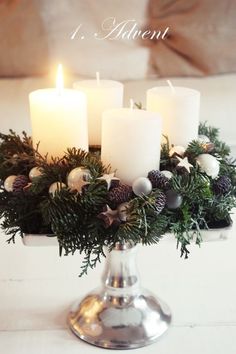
[(58, 119), (101, 95), (179, 109), (131, 142)]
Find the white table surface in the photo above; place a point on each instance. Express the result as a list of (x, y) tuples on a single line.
[(37, 288)]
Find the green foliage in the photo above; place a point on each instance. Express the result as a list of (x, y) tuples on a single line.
[(194, 187), (194, 149), (221, 149), (57, 170), (228, 168), (17, 155), (201, 208), (21, 213), (143, 224), (92, 162), (166, 162), (211, 132), (74, 216), (74, 220), (187, 221)]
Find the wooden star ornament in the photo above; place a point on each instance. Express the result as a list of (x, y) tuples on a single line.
[(110, 179), (109, 216), (184, 163)]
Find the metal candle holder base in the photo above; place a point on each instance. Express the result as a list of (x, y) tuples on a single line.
[(120, 314)]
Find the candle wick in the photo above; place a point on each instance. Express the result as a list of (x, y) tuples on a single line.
[(131, 104), (98, 78), (171, 86)]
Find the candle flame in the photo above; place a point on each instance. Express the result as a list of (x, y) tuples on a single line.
[(171, 86), (59, 80)]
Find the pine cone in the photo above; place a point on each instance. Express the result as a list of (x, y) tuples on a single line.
[(158, 180), (222, 185), (20, 183), (160, 202), (121, 194)]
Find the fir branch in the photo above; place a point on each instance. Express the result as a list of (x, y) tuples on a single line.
[(194, 149), (91, 259), (73, 216), (166, 161), (79, 158), (194, 187), (17, 155), (221, 149), (211, 132)]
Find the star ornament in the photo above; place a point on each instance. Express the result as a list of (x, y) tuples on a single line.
[(110, 179), (109, 216), (184, 163)]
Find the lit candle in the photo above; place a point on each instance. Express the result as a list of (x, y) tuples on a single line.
[(131, 142), (179, 108), (101, 95), (58, 119)]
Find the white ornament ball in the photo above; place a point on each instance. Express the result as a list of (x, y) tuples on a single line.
[(78, 177), (167, 174), (122, 211), (203, 139), (35, 172), (179, 150), (142, 186), (208, 164), (8, 183), (56, 186)]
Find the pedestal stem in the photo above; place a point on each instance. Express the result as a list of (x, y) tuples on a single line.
[(120, 314), (121, 275)]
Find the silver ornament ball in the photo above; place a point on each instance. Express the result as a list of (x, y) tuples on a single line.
[(8, 183), (208, 164), (203, 139), (173, 199), (78, 177), (56, 186), (142, 186), (35, 172)]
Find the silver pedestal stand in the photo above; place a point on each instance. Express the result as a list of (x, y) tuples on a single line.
[(120, 314)]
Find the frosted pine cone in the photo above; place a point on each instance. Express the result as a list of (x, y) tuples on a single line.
[(222, 185), (121, 194), (160, 202), (158, 180), (20, 183)]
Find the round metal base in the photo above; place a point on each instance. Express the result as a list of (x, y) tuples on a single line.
[(120, 314), (120, 322)]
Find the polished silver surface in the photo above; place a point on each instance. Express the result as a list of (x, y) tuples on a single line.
[(120, 314)]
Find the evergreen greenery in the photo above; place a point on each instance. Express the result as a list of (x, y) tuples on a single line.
[(73, 216)]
